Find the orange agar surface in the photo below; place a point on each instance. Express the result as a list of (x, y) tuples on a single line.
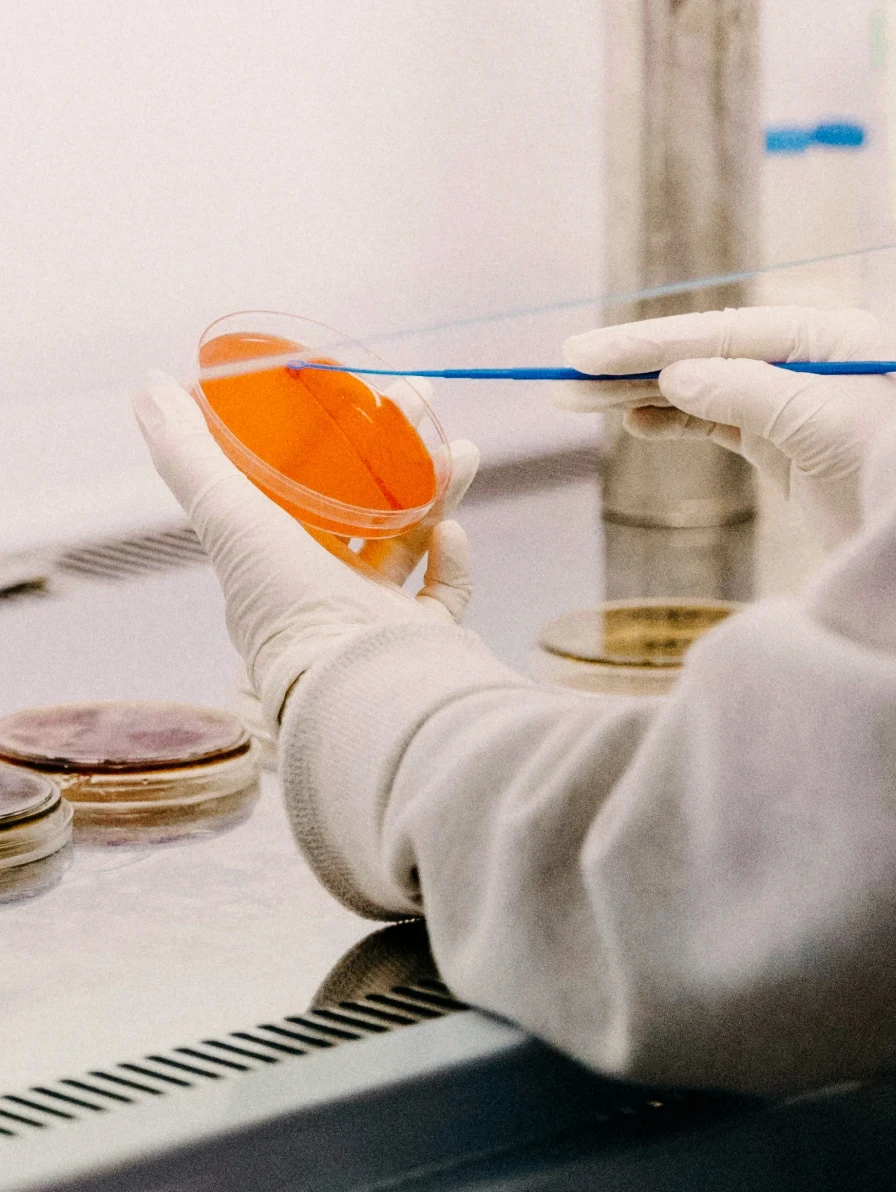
[(329, 432)]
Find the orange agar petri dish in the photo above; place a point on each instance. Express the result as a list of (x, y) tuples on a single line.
[(35, 825), (328, 447), (138, 771)]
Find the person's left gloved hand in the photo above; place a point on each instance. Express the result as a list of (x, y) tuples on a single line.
[(287, 599)]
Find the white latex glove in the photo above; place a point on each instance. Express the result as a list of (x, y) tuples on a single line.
[(807, 434), (287, 599)]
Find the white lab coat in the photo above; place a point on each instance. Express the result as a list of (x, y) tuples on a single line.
[(695, 890)]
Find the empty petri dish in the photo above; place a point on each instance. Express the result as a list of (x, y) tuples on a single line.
[(35, 827), (329, 447), (139, 771), (625, 647)]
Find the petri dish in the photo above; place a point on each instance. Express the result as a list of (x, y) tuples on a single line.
[(35, 828), (331, 448), (625, 647), (138, 771)]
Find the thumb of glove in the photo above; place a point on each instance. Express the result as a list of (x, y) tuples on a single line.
[(183, 451), (448, 582)]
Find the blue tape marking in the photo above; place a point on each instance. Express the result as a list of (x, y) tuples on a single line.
[(832, 134)]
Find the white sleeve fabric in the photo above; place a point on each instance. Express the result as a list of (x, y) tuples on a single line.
[(697, 891)]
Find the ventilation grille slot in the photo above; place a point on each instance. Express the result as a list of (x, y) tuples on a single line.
[(130, 558), (118, 1086), (73, 1099), (119, 559)]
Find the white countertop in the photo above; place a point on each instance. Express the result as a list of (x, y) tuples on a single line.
[(141, 949)]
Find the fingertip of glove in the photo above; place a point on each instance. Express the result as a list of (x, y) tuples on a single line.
[(159, 387), (683, 378), (465, 452), (424, 388), (450, 532), (587, 351), (624, 348), (581, 397), (464, 466), (160, 401), (688, 378), (650, 422)]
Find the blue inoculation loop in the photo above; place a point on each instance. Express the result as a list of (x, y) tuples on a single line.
[(830, 134), (827, 368)]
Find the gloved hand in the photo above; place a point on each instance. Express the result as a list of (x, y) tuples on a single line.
[(807, 434), (287, 599)]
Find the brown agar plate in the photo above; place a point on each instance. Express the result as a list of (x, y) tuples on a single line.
[(139, 770)]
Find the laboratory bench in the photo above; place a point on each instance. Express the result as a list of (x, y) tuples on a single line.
[(202, 1015)]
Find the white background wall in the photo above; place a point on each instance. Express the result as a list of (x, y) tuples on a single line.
[(376, 164), (816, 59)]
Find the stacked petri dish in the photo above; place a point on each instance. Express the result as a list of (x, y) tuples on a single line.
[(138, 771), (35, 830)]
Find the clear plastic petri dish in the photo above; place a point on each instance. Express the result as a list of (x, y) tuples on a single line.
[(625, 647), (35, 826), (139, 771), (332, 448)]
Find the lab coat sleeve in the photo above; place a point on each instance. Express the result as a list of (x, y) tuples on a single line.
[(698, 891)]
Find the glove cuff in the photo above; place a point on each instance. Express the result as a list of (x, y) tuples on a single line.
[(285, 670), (345, 730)]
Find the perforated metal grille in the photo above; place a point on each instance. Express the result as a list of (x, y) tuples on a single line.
[(115, 1087), (128, 558), (118, 559)]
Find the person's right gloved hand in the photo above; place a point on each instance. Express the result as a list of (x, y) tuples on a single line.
[(808, 434)]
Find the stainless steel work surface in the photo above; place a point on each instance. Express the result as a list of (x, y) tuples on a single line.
[(142, 948), (147, 947), (150, 948)]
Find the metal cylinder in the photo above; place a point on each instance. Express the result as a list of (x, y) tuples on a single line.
[(683, 145), (682, 484)]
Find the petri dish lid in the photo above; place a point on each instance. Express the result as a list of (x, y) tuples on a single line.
[(24, 795), (651, 632), (120, 737)]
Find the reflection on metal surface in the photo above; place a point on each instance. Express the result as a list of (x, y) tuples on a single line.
[(396, 955), (715, 563), (388, 980), (36, 877)]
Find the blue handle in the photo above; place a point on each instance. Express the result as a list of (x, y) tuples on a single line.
[(842, 368), (834, 368)]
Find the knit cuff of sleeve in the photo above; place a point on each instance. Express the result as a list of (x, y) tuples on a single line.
[(345, 729)]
